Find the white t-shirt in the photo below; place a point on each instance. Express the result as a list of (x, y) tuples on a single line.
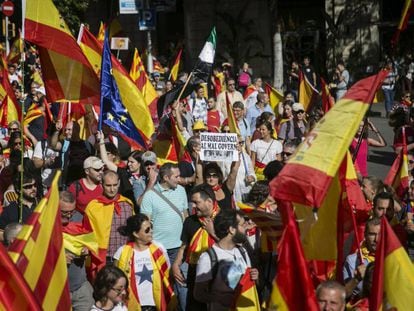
[(47, 173), (260, 147), (119, 307), (143, 273), (231, 268)]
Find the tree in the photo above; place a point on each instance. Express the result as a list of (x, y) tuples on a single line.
[(73, 12)]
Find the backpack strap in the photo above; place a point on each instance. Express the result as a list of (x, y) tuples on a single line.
[(214, 264), (243, 252)]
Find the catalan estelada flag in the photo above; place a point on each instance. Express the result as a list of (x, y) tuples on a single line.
[(15, 294), (307, 92), (275, 98), (39, 254), (393, 281), (402, 25), (176, 67), (140, 78), (288, 295), (67, 73), (398, 175), (132, 99)]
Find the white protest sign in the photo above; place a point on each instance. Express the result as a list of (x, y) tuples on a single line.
[(219, 147)]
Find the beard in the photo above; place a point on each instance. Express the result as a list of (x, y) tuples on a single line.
[(239, 238)]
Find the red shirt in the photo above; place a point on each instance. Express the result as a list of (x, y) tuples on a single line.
[(213, 121), (83, 195)]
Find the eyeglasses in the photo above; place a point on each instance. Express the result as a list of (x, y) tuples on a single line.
[(148, 229), (407, 96), (67, 213), (119, 291), (300, 111), (30, 186), (13, 129), (212, 175)]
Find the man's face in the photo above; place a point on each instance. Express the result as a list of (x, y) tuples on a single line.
[(231, 85), (410, 159), (259, 83), (68, 130), (95, 175), (306, 61), (367, 189), (290, 97), (200, 93), (172, 180), (287, 153), (371, 237), (330, 300), (238, 113), (211, 103), (203, 207), (110, 185), (382, 207), (240, 235), (30, 190), (66, 211)]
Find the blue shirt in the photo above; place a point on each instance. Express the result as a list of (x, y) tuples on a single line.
[(253, 113), (167, 224)]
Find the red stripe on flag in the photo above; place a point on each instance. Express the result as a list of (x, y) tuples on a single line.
[(365, 89)]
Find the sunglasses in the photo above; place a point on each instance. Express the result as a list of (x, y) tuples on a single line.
[(411, 161), (148, 229), (98, 169), (300, 111), (30, 186), (212, 175), (287, 154), (13, 129), (17, 143)]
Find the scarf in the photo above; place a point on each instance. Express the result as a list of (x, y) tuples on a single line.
[(115, 201)]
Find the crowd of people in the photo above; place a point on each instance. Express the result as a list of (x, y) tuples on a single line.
[(171, 235)]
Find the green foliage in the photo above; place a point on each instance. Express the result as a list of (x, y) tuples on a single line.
[(73, 12)]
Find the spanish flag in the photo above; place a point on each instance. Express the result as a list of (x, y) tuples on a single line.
[(101, 32), (398, 175), (289, 295), (405, 16), (16, 50), (327, 99), (393, 282), (15, 294), (161, 287), (247, 298), (307, 93), (67, 73), (9, 109), (275, 98), (39, 254), (176, 67), (76, 236), (132, 99), (249, 90), (231, 119)]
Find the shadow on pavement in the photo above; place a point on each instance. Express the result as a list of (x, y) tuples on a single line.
[(382, 157)]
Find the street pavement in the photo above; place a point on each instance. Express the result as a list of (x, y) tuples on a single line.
[(380, 159)]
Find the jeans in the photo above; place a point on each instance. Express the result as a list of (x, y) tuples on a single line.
[(179, 290), (388, 99)]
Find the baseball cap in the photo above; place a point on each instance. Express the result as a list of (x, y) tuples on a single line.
[(40, 89), (297, 107), (93, 162), (199, 125), (149, 156)]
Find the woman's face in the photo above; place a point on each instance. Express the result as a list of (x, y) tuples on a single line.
[(17, 144), (133, 165), (144, 234), (264, 131), (117, 293), (288, 111), (212, 178)]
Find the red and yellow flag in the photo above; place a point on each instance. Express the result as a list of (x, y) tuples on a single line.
[(398, 175), (176, 67), (16, 50), (327, 99), (275, 98), (405, 16), (39, 254), (249, 90), (9, 109), (131, 97), (231, 119), (66, 71), (141, 80), (393, 282), (101, 32), (287, 295), (247, 298), (15, 294), (307, 93)]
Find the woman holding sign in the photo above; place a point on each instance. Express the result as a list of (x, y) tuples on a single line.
[(265, 149)]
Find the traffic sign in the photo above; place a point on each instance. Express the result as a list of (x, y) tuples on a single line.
[(147, 19), (7, 7)]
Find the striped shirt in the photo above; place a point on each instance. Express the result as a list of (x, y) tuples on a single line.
[(166, 222)]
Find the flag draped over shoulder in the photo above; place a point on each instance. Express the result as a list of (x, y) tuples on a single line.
[(15, 294), (176, 67), (393, 281), (289, 295), (307, 92), (275, 98), (308, 174), (398, 175), (140, 78), (39, 254), (405, 16), (66, 71)]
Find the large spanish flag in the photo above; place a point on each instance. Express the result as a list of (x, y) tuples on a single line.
[(398, 175), (39, 254), (289, 295), (307, 92), (307, 176), (15, 294), (66, 71), (402, 25), (131, 97), (393, 283), (140, 78)]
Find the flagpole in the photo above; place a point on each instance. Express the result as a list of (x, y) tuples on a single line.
[(185, 85)]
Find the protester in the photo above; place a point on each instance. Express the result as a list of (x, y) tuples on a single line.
[(331, 296)]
